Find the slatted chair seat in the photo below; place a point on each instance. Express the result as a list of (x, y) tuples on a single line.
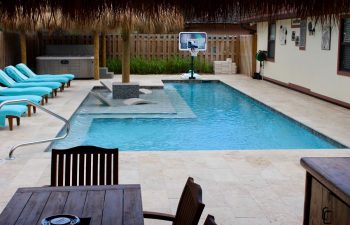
[(189, 209), (210, 220), (84, 165)]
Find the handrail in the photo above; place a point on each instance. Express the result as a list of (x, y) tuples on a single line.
[(67, 125)]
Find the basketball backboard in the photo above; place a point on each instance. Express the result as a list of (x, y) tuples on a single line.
[(188, 40)]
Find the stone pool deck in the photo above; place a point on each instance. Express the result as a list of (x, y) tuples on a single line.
[(239, 187)]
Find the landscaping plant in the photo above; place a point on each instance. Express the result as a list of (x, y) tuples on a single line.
[(173, 65)]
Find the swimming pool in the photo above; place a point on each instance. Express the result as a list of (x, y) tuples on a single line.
[(221, 118)]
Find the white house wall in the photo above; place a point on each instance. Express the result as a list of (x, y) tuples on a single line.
[(312, 68)]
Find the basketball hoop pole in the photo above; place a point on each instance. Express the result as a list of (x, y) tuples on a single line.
[(194, 52), (192, 68)]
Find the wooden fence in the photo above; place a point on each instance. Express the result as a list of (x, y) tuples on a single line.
[(9, 49), (219, 47)]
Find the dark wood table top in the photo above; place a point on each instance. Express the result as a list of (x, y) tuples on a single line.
[(106, 205), (332, 172)]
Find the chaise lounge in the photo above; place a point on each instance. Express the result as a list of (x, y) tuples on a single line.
[(32, 98), (62, 80), (39, 91), (18, 77), (29, 73), (9, 82), (11, 112)]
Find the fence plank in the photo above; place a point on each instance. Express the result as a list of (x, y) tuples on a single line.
[(219, 47)]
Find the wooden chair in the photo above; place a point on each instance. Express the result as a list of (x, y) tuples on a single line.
[(84, 165), (210, 220), (189, 209)]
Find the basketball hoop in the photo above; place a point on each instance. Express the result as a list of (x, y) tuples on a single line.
[(192, 42), (194, 52)]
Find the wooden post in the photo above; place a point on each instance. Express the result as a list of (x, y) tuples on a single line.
[(2, 52), (23, 45), (126, 57), (96, 56), (255, 49), (237, 54), (104, 49)]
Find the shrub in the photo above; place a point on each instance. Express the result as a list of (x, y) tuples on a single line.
[(114, 65), (172, 65)]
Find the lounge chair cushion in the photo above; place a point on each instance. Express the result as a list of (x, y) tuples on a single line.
[(33, 98), (11, 110), (9, 82), (22, 80), (40, 91), (60, 79), (29, 73), (6, 80)]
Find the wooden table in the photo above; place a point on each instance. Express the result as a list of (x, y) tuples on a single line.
[(106, 205), (327, 192)]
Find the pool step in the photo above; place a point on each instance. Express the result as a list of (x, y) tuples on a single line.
[(105, 74)]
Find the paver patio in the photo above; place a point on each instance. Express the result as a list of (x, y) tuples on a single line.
[(239, 187)]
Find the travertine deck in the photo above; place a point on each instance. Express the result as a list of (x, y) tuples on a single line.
[(239, 187)]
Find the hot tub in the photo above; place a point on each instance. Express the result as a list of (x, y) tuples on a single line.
[(80, 66)]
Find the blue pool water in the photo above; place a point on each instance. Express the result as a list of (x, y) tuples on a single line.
[(225, 119)]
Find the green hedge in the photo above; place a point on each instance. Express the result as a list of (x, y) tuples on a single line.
[(173, 65)]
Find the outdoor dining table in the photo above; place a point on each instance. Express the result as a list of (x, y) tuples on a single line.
[(104, 205)]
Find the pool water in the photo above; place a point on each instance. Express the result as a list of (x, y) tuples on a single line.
[(225, 120)]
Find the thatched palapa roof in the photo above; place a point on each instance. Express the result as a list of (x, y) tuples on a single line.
[(101, 14), (49, 19)]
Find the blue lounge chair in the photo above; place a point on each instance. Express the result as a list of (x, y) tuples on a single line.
[(33, 98), (40, 91), (23, 68), (11, 112), (17, 76), (61, 79), (9, 82)]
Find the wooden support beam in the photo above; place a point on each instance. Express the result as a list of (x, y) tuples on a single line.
[(255, 50), (237, 54), (23, 46), (126, 57), (104, 49), (96, 56)]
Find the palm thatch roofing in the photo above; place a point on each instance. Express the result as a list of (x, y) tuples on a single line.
[(167, 20), (101, 14)]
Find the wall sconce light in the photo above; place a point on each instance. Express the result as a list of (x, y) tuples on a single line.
[(311, 28)]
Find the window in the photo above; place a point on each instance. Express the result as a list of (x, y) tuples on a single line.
[(271, 41), (344, 47)]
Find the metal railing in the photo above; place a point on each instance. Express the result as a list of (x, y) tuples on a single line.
[(67, 125)]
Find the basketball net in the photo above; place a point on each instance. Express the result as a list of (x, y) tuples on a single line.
[(194, 52)]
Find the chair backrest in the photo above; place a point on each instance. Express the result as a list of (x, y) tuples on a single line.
[(5, 79), (210, 220), (15, 74), (190, 206), (23, 68), (84, 165)]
